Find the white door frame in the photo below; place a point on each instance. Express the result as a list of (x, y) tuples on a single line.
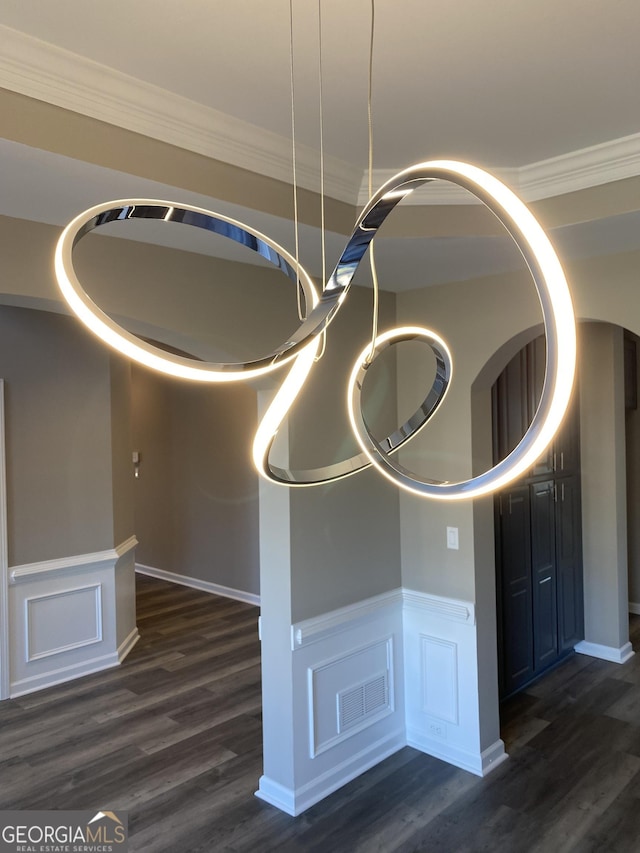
[(4, 562)]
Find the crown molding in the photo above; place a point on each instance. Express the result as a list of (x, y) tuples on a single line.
[(49, 73), (615, 160), (434, 192)]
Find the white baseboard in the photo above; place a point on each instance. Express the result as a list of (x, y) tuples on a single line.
[(480, 764), (634, 608), (295, 802), (276, 795), (493, 757), (196, 583), (610, 653), (127, 644), (59, 676)]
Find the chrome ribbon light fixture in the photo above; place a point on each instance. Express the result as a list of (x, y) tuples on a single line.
[(304, 343)]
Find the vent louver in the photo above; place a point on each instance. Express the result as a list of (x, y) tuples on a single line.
[(364, 700)]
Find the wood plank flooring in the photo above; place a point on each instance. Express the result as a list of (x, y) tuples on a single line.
[(173, 736)]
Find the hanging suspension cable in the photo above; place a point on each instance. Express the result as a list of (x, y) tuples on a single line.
[(322, 205), (372, 259), (301, 311)]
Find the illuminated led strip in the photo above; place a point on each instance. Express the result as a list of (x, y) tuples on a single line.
[(559, 323), (303, 344), (140, 350), (294, 382)]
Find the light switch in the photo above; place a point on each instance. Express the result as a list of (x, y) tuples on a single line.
[(452, 538)]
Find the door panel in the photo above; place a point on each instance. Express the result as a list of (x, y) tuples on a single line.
[(567, 443), (569, 564), (536, 367), (543, 565), (515, 590), (512, 411)]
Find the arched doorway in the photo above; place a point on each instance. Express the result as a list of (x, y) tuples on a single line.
[(603, 498)]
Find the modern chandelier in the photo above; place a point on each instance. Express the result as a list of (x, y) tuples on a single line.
[(303, 345)]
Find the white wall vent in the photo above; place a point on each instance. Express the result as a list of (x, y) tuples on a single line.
[(356, 704)]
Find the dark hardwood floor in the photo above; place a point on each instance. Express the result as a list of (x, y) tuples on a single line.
[(173, 737)]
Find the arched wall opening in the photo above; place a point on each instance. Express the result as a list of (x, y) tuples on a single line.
[(609, 481)]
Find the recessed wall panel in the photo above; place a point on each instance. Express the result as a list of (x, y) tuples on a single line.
[(439, 678), (349, 693), (62, 621)]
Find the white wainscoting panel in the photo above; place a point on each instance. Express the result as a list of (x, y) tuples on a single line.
[(348, 705), (349, 693), (394, 670), (65, 619), (441, 682), (439, 672)]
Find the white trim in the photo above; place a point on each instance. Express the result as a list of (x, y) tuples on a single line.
[(31, 571), (610, 653), (294, 802), (4, 562), (634, 608), (276, 795), (610, 161), (126, 546), (435, 192), (492, 757), (477, 763), (318, 628), (316, 748), (614, 160), (63, 674), (452, 609), (127, 644), (28, 622), (49, 73), (443, 689), (196, 583)]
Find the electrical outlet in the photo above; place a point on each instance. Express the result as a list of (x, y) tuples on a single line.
[(437, 730)]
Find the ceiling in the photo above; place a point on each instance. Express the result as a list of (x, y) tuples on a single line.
[(545, 94)]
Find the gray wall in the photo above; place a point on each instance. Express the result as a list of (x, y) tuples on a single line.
[(197, 495), (602, 462), (345, 540), (121, 445), (59, 442)]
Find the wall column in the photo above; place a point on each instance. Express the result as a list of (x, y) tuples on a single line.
[(278, 779), (604, 502)]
